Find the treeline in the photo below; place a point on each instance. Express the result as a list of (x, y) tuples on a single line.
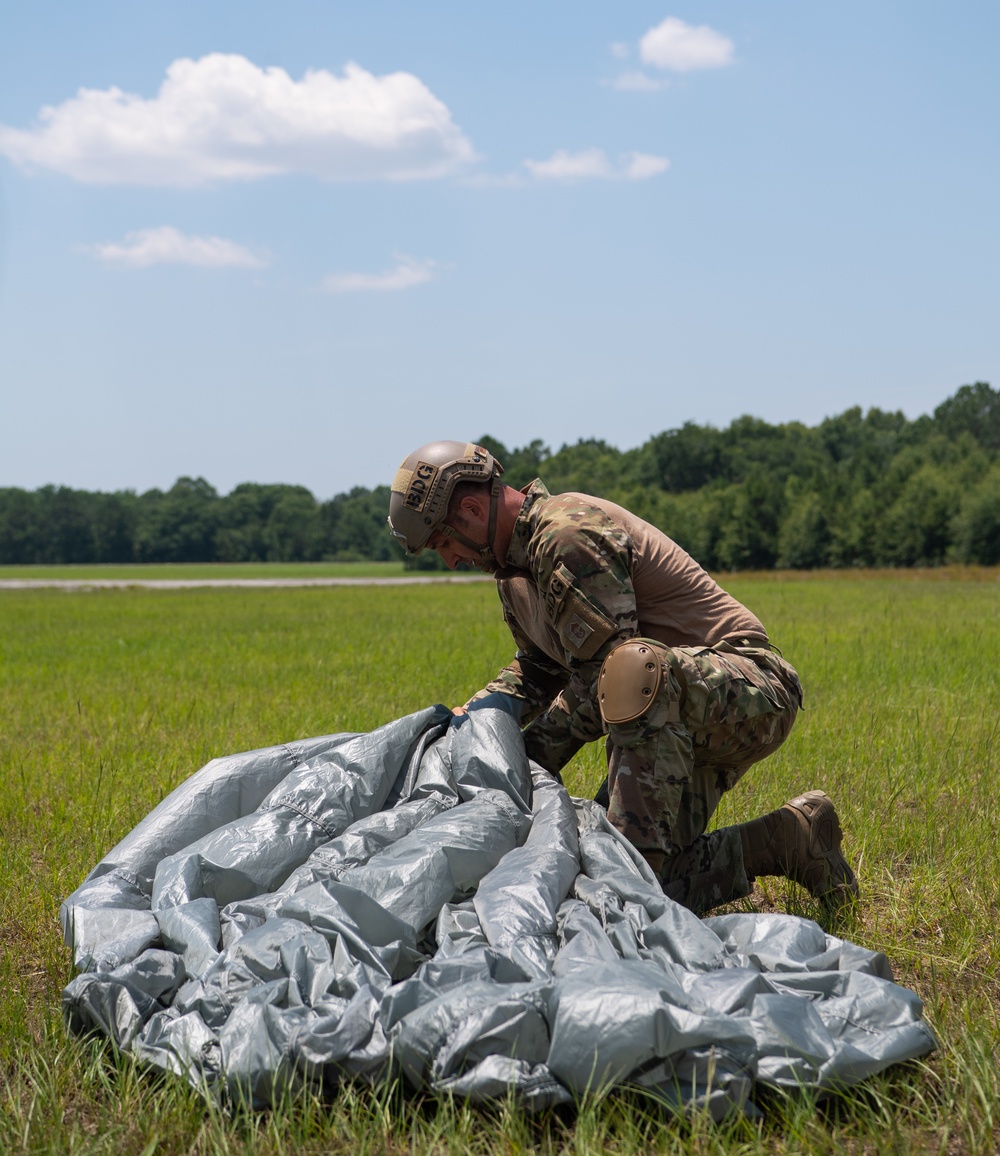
[(859, 489), (192, 522)]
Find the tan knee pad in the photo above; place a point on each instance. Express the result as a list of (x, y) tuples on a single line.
[(629, 681)]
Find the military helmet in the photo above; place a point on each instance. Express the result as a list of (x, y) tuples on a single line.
[(423, 485)]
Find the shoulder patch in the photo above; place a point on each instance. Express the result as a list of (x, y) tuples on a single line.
[(583, 627)]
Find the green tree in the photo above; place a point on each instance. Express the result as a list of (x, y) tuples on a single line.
[(680, 460), (974, 409), (520, 466), (68, 533), (294, 531), (180, 525), (22, 535), (239, 535), (113, 519), (854, 530), (749, 536), (976, 528), (804, 537), (916, 528), (269, 523), (354, 526), (861, 449), (590, 466)]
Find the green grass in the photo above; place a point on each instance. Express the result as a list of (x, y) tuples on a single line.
[(109, 699)]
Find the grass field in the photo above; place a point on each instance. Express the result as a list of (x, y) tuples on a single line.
[(109, 699)]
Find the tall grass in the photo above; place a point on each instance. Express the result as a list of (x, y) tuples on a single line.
[(109, 699)]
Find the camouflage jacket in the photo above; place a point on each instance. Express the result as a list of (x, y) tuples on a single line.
[(568, 598)]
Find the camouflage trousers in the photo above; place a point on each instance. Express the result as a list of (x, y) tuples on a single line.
[(718, 711)]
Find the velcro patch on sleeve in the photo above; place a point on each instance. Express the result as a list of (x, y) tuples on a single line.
[(583, 627)]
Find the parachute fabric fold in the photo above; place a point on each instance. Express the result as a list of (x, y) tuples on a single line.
[(423, 899)]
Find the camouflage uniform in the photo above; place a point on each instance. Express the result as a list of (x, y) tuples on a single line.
[(569, 598)]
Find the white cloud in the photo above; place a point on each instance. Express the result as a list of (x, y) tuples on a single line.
[(406, 273), (638, 82), (642, 166), (682, 47), (567, 166), (593, 164), (168, 246), (223, 118)]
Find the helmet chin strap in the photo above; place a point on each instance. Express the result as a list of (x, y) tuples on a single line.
[(487, 559)]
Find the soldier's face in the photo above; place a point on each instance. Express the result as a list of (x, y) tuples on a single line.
[(452, 551), (472, 522)]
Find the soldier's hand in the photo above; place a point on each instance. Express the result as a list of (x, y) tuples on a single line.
[(459, 710)]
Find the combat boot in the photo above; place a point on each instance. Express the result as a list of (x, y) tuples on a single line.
[(801, 841)]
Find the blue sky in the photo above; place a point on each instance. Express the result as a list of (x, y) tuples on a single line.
[(290, 242)]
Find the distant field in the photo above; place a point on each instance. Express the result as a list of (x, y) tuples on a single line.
[(212, 570), (109, 699), (141, 572)]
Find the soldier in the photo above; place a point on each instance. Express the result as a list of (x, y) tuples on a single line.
[(620, 632)]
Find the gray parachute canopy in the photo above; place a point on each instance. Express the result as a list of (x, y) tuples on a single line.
[(423, 899)]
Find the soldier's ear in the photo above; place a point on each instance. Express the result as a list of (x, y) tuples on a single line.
[(474, 506)]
